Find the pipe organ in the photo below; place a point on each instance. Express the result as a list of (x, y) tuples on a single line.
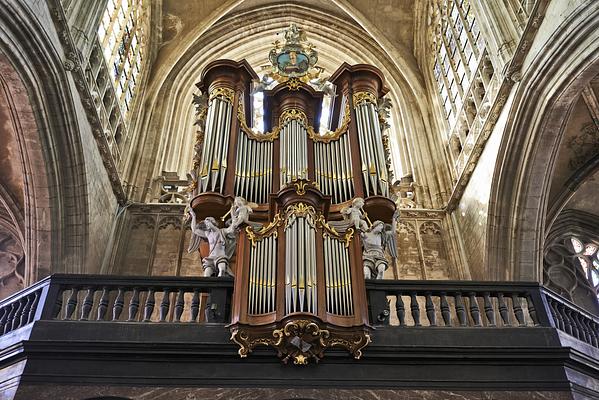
[(298, 270)]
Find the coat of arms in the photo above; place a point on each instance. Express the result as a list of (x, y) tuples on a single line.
[(297, 57)]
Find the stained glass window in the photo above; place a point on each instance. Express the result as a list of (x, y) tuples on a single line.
[(122, 36)]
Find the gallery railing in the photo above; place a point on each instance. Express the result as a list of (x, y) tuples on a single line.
[(118, 298), (450, 304), (477, 304)]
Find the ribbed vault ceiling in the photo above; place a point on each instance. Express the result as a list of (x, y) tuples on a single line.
[(247, 29)]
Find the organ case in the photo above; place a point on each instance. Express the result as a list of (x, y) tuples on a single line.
[(299, 283)]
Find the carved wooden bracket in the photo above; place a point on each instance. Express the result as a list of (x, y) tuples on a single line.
[(300, 338)]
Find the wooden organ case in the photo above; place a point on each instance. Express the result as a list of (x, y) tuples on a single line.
[(299, 282)]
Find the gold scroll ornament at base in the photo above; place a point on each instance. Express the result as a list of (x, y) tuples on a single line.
[(300, 339)]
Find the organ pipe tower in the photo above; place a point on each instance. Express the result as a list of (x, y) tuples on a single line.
[(298, 271)]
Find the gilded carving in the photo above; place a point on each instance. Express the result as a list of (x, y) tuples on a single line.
[(293, 115), (363, 97), (269, 230), (300, 340), (302, 184), (222, 93), (330, 136)]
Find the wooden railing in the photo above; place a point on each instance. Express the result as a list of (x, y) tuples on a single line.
[(477, 304), (118, 298), (450, 304)]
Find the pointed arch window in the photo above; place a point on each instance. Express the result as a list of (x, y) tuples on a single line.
[(587, 257), (458, 47), (122, 35)]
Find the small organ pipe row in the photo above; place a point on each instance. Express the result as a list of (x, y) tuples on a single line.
[(372, 153), (334, 169), (338, 277), (253, 169), (215, 146), (300, 265), (262, 282), (293, 152)]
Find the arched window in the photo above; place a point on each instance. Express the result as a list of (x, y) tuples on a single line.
[(458, 50), (122, 36), (587, 258)]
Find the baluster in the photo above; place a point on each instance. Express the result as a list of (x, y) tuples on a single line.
[(165, 304), (16, 320), (134, 305), (9, 318), (149, 308), (594, 332), (33, 308), (58, 305), (119, 302), (71, 303), (415, 309), (489, 311), (505, 316), (460, 309), (584, 330), (532, 311), (103, 305), (3, 317), (518, 309), (430, 310), (575, 332), (557, 318), (195, 305), (445, 310), (400, 310), (88, 302), (180, 303), (567, 323), (17, 317), (474, 311), (26, 309)]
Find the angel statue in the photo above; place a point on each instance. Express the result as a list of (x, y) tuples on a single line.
[(375, 241), (221, 241), (240, 214), (355, 216)]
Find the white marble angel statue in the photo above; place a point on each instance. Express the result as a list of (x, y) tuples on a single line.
[(379, 238), (221, 241)]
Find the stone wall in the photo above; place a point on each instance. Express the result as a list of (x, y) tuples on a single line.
[(153, 241), (472, 211)]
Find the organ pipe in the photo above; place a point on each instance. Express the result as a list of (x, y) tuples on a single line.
[(338, 277), (253, 169), (215, 147), (261, 290), (300, 265)]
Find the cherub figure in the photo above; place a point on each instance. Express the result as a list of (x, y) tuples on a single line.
[(379, 238), (294, 35), (354, 215), (240, 214), (221, 241)]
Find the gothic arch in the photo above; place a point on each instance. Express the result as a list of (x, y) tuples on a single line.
[(522, 178), (229, 38), (50, 149)]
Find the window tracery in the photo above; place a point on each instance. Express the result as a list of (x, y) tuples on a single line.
[(587, 257), (122, 37), (463, 75), (458, 49), (571, 268)]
